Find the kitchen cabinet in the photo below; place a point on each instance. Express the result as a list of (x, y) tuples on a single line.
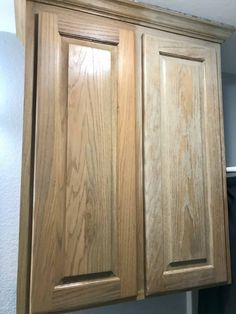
[(123, 185), (184, 199)]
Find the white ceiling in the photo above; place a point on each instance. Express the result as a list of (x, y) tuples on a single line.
[(218, 10)]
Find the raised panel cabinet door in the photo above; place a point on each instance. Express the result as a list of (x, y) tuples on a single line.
[(84, 211), (184, 188)]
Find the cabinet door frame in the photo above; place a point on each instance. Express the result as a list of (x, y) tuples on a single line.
[(158, 45), (100, 30)]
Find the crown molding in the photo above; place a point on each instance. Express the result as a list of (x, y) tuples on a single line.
[(150, 16)]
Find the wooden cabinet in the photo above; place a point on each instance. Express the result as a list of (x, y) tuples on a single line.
[(184, 199), (123, 186), (84, 230)]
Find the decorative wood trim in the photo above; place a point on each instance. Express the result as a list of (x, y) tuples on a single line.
[(150, 16), (20, 7)]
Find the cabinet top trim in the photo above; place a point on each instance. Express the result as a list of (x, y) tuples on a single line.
[(150, 16)]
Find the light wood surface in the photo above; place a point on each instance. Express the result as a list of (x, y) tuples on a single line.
[(20, 18), (185, 236), (224, 174), (89, 194), (126, 150), (84, 208), (106, 150), (49, 174), (24, 255), (150, 16)]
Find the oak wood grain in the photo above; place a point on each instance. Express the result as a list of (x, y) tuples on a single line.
[(126, 151), (49, 175), (88, 247), (85, 293), (185, 236), (63, 35), (224, 179), (25, 228), (84, 208), (150, 16), (183, 199), (139, 169), (20, 18)]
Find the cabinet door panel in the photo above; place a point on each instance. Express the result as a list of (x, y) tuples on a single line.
[(84, 238), (184, 205)]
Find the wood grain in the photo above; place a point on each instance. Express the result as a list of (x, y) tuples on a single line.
[(110, 124), (20, 18), (150, 16), (126, 150), (88, 247), (185, 237), (139, 169), (84, 208), (24, 255), (152, 163), (49, 176), (85, 293), (183, 199), (224, 182)]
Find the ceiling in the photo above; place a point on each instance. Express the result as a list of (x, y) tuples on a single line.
[(218, 10)]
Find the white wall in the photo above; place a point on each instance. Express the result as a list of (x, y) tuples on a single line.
[(7, 16), (11, 105)]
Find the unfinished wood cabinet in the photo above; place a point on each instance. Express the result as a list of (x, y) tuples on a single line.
[(123, 186)]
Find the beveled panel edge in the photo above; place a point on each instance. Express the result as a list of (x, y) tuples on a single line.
[(150, 16)]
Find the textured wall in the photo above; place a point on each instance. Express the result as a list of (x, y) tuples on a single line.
[(11, 100), (229, 95)]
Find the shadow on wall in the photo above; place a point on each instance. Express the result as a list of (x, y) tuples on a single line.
[(11, 113)]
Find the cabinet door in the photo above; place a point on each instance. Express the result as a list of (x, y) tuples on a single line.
[(84, 211), (184, 187)]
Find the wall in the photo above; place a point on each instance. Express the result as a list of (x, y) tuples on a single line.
[(11, 100), (7, 17), (229, 97)]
